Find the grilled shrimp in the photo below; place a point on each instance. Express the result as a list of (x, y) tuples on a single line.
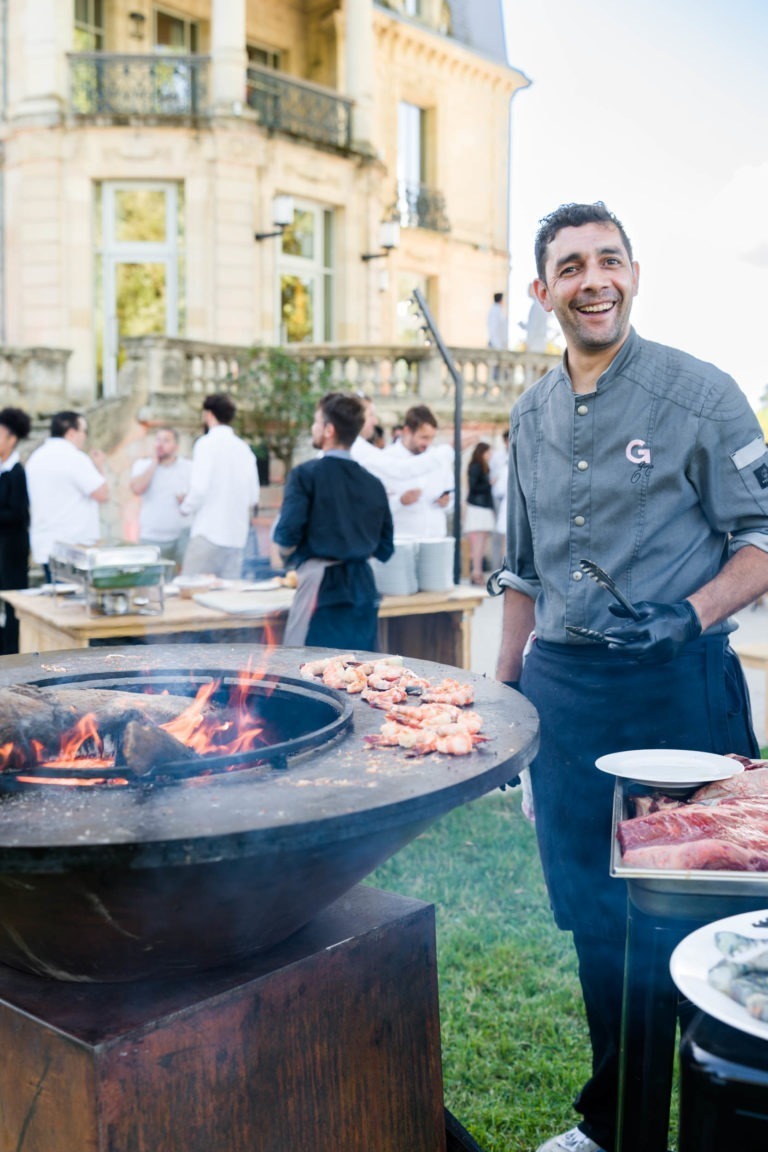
[(394, 695), (450, 692), (424, 715), (394, 735), (455, 743), (317, 667)]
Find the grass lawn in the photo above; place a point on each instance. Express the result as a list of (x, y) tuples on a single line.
[(515, 1044)]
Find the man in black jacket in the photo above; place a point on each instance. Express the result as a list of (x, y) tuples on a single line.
[(335, 516)]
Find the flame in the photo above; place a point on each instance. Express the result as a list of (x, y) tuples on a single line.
[(209, 730), (209, 734), (74, 781), (72, 743), (8, 753)]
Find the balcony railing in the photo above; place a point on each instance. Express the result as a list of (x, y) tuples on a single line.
[(299, 108), (168, 372), (420, 206), (105, 84)]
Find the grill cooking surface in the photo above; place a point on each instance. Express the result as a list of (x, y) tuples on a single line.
[(128, 883)]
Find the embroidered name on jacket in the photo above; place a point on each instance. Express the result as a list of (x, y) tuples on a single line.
[(638, 453)]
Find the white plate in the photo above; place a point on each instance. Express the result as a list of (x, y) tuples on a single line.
[(270, 585), (52, 589), (696, 954), (669, 767)]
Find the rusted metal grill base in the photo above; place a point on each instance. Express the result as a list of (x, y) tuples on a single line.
[(330, 1042)]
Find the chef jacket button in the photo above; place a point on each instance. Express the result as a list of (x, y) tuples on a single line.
[(578, 575), (582, 465), (579, 521), (582, 409)]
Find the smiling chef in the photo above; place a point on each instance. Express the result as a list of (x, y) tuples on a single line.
[(651, 464)]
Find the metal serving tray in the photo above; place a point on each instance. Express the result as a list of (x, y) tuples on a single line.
[(695, 894), (85, 558)]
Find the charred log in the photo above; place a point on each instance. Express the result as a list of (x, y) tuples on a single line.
[(30, 713), (145, 749)]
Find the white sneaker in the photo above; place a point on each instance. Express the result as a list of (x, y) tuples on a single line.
[(571, 1141)]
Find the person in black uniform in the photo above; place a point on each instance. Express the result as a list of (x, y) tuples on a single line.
[(14, 519), (335, 516)]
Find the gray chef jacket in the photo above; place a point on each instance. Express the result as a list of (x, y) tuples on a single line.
[(660, 474)]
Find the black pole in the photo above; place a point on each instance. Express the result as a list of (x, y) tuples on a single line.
[(458, 393)]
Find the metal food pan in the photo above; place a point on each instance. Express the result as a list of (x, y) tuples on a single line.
[(696, 894), (138, 576)]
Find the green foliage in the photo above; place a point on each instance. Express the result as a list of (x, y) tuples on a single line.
[(277, 397), (514, 1039)]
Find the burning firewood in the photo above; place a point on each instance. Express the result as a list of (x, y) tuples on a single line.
[(145, 749), (29, 713)]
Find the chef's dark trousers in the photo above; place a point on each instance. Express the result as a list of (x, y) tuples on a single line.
[(591, 702)]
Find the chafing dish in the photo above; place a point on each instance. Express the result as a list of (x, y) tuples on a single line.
[(116, 580)]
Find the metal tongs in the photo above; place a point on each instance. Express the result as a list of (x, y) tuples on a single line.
[(596, 573)]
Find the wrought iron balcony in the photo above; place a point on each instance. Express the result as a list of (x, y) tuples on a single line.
[(420, 206), (106, 84), (299, 108)]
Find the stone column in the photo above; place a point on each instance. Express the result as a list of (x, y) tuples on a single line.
[(40, 34), (360, 72), (228, 56)]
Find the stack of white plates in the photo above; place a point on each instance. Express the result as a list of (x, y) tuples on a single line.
[(435, 565), (398, 576)]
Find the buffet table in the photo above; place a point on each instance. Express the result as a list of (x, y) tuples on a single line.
[(427, 625)]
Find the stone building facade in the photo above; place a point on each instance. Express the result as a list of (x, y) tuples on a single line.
[(234, 173)]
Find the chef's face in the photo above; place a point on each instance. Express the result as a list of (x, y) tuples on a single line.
[(418, 440), (590, 283), (80, 434), (319, 425), (165, 444)]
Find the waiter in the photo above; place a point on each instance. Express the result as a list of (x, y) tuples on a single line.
[(652, 464), (335, 516)]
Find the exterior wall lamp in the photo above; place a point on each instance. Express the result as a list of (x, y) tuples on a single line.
[(282, 216), (137, 20), (389, 238)]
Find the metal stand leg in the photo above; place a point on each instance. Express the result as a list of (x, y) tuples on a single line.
[(649, 1021)]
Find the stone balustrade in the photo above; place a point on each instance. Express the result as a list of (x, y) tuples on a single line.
[(173, 374), (34, 379)]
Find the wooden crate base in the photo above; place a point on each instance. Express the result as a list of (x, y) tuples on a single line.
[(329, 1042)]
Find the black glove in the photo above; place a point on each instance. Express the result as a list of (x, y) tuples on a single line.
[(660, 634)]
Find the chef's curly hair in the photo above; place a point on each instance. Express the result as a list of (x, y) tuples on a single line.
[(573, 216)]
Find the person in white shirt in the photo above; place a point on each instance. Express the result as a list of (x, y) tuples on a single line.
[(536, 327), (162, 481), (499, 471), (397, 472), (497, 323), (419, 508), (66, 486), (223, 495)]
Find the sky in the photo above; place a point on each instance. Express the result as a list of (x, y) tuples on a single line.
[(660, 109)]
